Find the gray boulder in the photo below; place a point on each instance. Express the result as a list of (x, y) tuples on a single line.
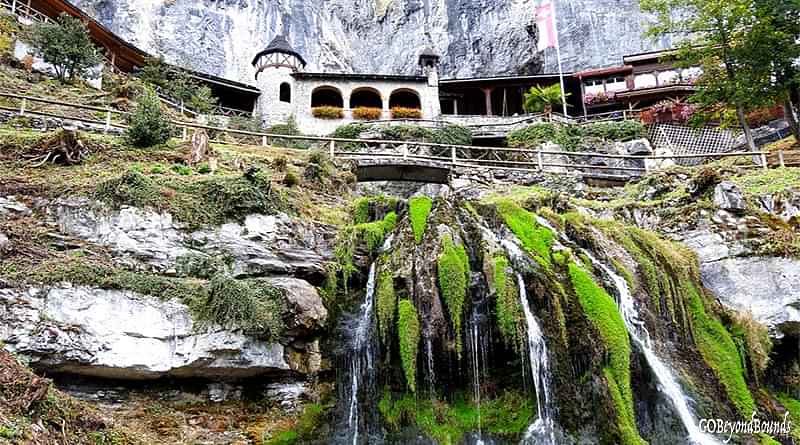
[(120, 334), (5, 244), (9, 206), (727, 196)]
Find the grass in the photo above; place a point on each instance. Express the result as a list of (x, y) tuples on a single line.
[(604, 314), (719, 350), (507, 415), (535, 238), (453, 273), (408, 331), (763, 182), (419, 207)]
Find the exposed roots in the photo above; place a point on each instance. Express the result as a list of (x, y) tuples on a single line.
[(63, 148)]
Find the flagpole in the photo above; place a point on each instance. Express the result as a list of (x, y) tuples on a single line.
[(558, 57)]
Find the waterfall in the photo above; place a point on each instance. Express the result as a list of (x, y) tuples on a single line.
[(666, 379), (543, 430), (477, 346)]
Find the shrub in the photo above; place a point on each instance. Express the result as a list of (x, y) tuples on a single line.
[(408, 328), (148, 125), (350, 131), (204, 169), (280, 163), (453, 135), (66, 45), (183, 170), (327, 112), (614, 131), (406, 113), (288, 129), (245, 123), (290, 179), (570, 137), (367, 113)]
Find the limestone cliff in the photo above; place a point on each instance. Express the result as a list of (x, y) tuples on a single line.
[(475, 38)]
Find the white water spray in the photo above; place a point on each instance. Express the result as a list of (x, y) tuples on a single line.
[(666, 380)]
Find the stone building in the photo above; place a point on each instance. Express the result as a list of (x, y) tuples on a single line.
[(288, 91)]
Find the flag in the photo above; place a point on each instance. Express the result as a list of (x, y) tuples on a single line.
[(546, 24)]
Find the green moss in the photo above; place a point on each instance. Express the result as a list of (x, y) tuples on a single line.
[(604, 314), (453, 271), (419, 208), (535, 238), (763, 182), (408, 330), (506, 416), (254, 306), (361, 207), (718, 350), (361, 210), (305, 430), (508, 309), (283, 438), (387, 303)]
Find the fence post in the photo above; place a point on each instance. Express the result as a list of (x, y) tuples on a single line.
[(13, 7), (539, 159), (780, 158), (108, 121), (405, 151), (263, 141), (764, 161), (22, 107), (333, 149), (185, 135), (453, 154)]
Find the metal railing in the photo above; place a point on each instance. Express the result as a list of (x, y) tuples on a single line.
[(23, 9), (470, 156)]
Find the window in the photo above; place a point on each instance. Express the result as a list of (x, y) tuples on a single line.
[(616, 84), (286, 93)]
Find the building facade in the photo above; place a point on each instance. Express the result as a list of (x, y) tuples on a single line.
[(289, 92)]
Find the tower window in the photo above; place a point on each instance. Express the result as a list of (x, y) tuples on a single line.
[(286, 93)]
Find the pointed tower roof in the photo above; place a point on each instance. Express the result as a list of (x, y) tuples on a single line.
[(279, 45)]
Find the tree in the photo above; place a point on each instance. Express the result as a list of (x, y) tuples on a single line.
[(178, 84), (715, 34), (148, 125), (539, 99), (66, 46)]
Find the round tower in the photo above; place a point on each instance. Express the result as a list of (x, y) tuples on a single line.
[(274, 67)]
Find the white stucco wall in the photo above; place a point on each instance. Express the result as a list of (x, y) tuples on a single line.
[(275, 111)]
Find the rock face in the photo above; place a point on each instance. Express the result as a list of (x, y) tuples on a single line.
[(119, 334), (377, 36), (263, 244), (727, 196)]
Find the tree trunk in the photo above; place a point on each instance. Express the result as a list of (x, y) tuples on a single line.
[(751, 143), (791, 118)]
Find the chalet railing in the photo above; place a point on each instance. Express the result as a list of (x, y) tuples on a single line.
[(23, 9), (468, 156)]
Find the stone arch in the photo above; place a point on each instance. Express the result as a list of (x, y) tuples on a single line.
[(406, 98), (285, 92), (366, 97), (326, 95)]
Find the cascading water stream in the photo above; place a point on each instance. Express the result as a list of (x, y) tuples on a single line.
[(666, 379), (360, 355), (543, 430)]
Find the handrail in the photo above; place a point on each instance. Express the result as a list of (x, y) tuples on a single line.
[(453, 159)]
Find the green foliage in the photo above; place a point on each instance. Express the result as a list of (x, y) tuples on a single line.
[(255, 306), (453, 271), (350, 131), (203, 169), (752, 339), (450, 134), (539, 99), (718, 350), (283, 438), (387, 303), (365, 206), (66, 45), (290, 179), (148, 125), (178, 84), (199, 265), (762, 182), (181, 169), (419, 207), (408, 331), (350, 237), (507, 416), (305, 430), (508, 308), (570, 137), (604, 314), (536, 238)]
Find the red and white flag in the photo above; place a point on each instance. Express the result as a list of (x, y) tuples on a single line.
[(546, 24)]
